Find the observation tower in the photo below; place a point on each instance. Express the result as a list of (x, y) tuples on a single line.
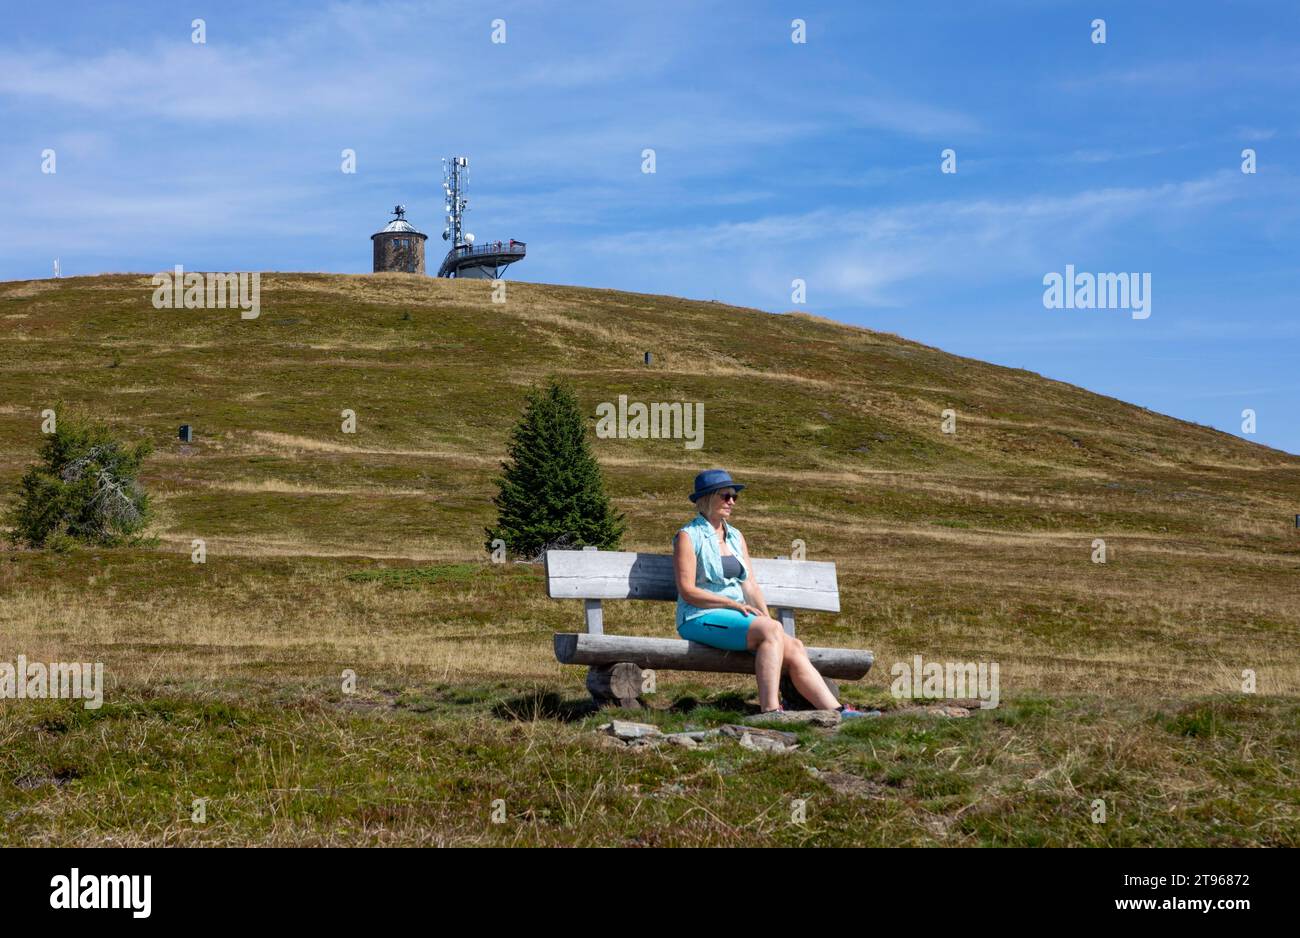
[(486, 260)]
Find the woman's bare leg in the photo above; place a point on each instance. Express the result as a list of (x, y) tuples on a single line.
[(804, 676), (766, 639)]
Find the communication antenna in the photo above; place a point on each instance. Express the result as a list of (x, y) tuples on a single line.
[(455, 176), (482, 261)]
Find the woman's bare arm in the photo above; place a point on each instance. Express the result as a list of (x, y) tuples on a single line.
[(684, 568)]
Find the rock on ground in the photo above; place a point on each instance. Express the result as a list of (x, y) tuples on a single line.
[(625, 729), (811, 717)]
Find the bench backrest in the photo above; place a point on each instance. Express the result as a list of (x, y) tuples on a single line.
[(605, 574)]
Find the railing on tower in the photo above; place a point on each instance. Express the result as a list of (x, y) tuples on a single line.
[(490, 247)]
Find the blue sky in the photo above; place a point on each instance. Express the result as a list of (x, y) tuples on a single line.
[(774, 161)]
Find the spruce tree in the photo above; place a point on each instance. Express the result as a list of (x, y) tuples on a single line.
[(84, 488), (551, 493)]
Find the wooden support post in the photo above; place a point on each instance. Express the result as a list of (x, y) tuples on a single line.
[(791, 699), (617, 685), (592, 611), (786, 617), (595, 616)]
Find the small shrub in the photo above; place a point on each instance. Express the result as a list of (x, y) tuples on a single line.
[(83, 490)]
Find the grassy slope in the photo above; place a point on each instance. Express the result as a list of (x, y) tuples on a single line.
[(1120, 680)]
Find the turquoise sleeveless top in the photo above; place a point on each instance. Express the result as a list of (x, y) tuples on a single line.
[(708, 565)]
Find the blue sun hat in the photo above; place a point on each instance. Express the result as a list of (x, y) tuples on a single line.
[(710, 480)]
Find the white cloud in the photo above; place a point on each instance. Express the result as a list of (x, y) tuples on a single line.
[(876, 257)]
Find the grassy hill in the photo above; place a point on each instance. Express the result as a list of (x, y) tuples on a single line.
[(1119, 681)]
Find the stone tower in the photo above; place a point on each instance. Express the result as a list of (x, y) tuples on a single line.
[(399, 247)]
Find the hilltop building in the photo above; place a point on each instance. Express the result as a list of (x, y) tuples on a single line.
[(398, 246)]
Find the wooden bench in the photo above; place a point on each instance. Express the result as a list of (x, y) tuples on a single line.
[(616, 662)]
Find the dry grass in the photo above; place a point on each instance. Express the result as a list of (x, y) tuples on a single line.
[(974, 547)]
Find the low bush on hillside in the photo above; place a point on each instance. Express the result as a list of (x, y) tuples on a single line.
[(84, 489)]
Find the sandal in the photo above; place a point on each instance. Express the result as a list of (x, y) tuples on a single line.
[(847, 712)]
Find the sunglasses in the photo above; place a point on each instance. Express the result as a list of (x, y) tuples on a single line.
[(727, 496)]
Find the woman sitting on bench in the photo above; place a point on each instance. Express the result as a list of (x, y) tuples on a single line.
[(719, 603)]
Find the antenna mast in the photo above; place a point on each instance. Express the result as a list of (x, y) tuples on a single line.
[(485, 261), (455, 174)]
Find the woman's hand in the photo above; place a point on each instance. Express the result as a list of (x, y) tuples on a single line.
[(750, 610)]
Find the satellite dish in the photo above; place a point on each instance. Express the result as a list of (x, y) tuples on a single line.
[(444, 234), (469, 239)]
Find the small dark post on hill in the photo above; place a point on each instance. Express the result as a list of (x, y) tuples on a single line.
[(551, 493)]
